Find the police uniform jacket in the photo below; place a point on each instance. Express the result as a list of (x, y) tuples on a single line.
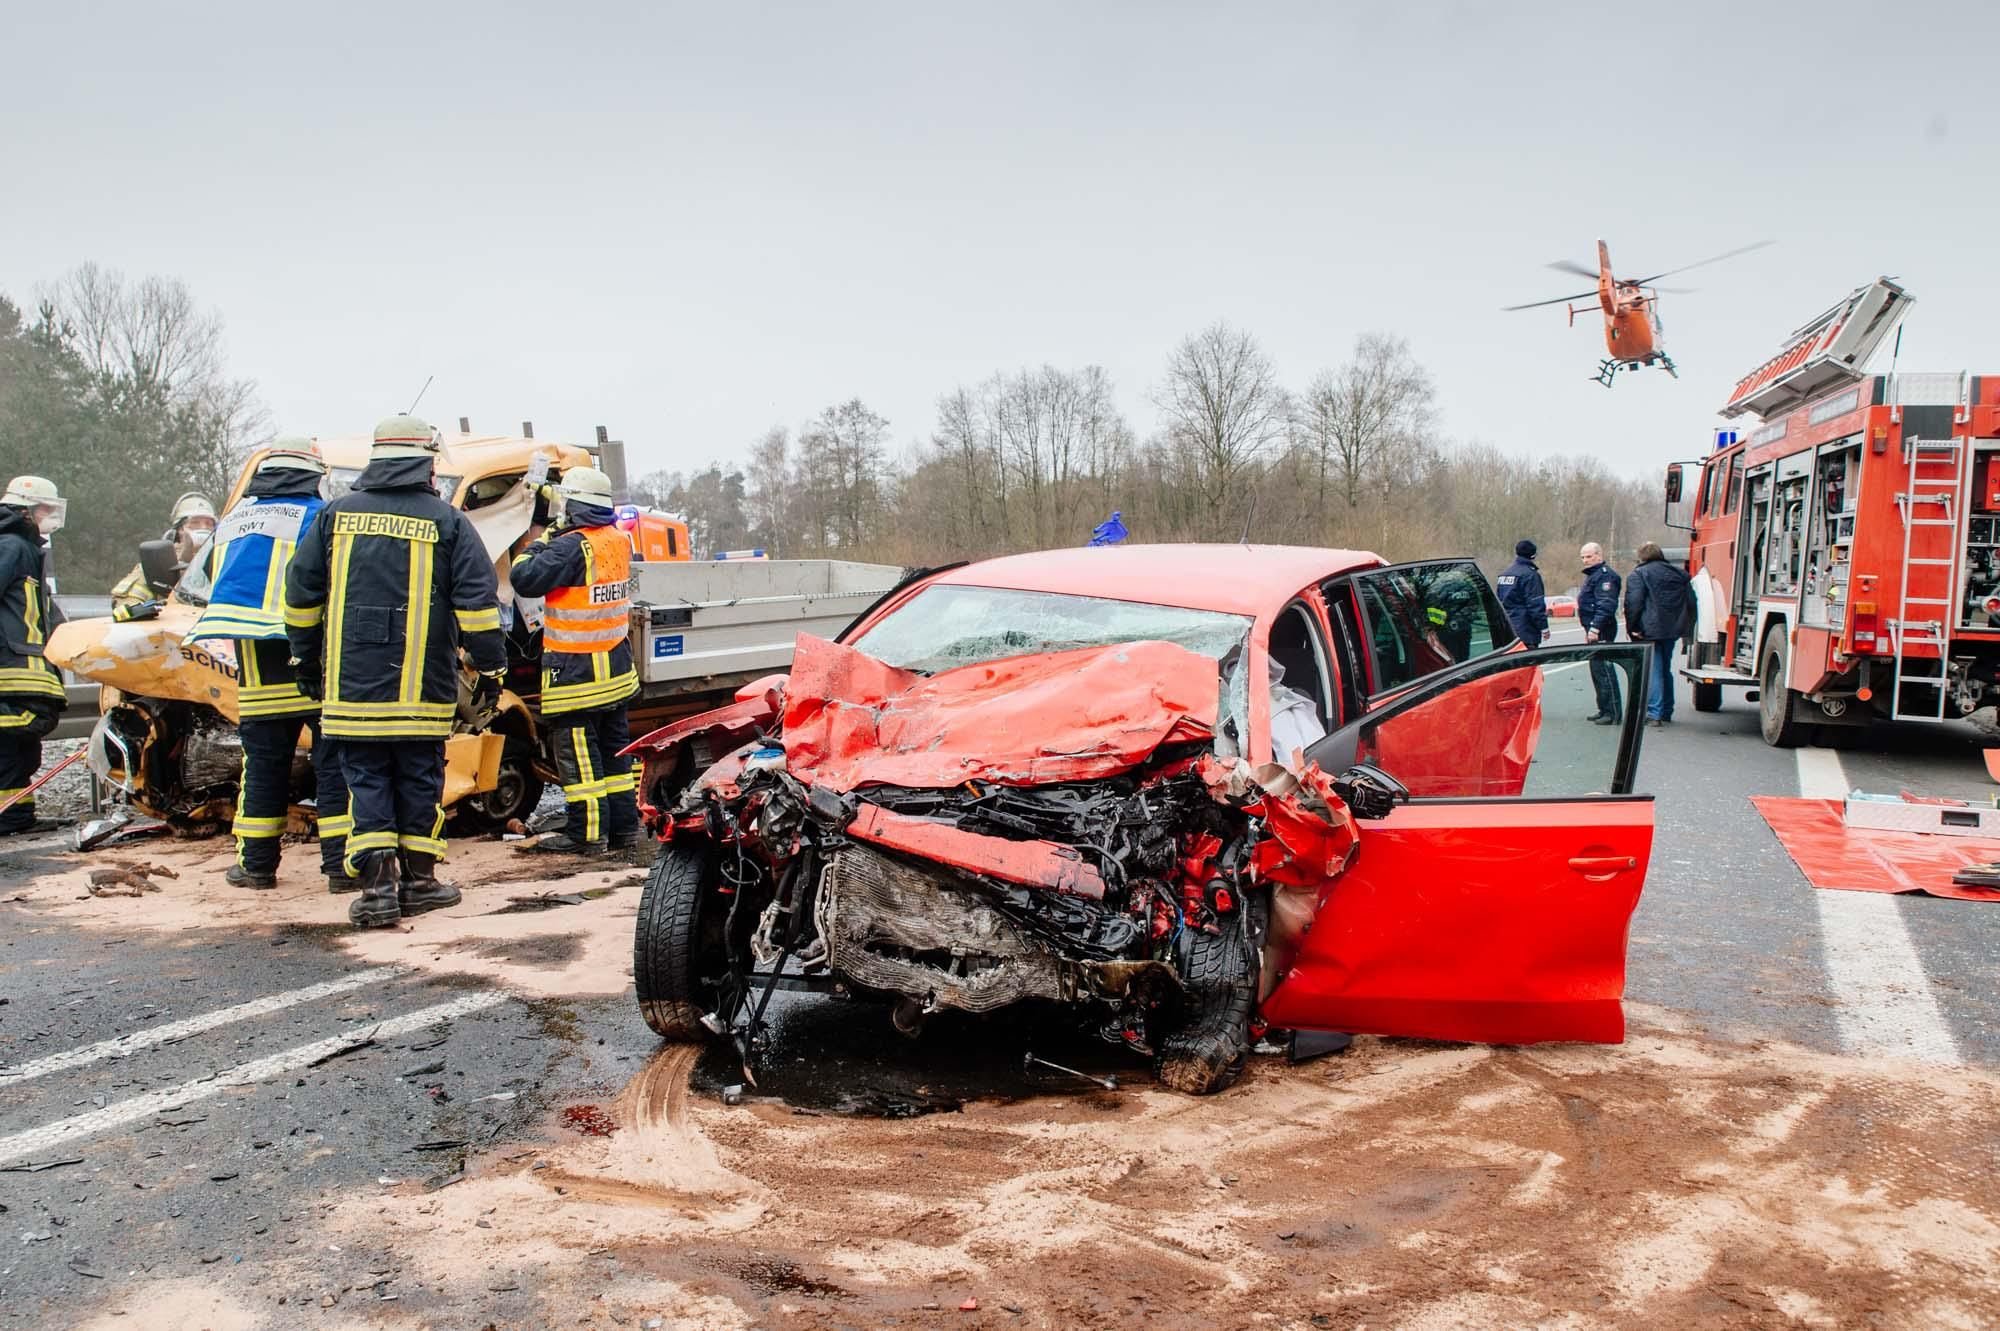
[(575, 681), (384, 585)]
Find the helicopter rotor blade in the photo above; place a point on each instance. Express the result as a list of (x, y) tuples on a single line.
[(1537, 304), (1647, 281), (1574, 269)]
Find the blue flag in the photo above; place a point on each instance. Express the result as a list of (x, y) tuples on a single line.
[(1110, 532)]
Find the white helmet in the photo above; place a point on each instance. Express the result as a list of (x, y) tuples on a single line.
[(405, 437), (35, 494), (193, 504), (293, 452), (587, 485)]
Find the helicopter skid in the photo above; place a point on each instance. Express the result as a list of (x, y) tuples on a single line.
[(1607, 370)]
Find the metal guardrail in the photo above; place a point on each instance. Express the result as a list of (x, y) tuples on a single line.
[(81, 713)]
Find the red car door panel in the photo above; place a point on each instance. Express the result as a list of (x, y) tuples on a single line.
[(1496, 905), (1489, 920)]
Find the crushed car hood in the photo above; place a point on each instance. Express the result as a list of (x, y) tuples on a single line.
[(150, 658), (851, 720)]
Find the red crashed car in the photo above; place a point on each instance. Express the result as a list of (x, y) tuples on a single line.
[(1127, 780)]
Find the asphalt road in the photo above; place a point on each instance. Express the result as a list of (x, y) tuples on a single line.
[(264, 1074)]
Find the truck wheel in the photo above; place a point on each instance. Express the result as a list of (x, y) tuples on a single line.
[(671, 947), (1212, 1046), (518, 792), (1707, 697), (1778, 706)]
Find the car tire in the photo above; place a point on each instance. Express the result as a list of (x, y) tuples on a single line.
[(669, 945), (1209, 1050), (1778, 706), (1707, 697), (516, 795)]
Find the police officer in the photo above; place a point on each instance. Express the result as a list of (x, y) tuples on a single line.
[(31, 690), (191, 526), (1597, 610), (1520, 589), (385, 584), (246, 605), (583, 573)]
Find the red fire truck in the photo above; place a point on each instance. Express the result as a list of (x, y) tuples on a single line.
[(1846, 551)]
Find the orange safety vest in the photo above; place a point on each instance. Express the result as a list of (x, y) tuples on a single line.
[(592, 618)]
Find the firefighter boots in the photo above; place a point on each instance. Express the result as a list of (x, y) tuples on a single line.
[(377, 907), (421, 888), (238, 876), (561, 843)]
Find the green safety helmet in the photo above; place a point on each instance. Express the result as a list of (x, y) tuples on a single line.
[(405, 437), (587, 485)]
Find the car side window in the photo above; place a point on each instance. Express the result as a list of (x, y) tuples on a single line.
[(1419, 618)]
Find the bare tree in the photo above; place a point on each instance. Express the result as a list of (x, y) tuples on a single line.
[(1353, 419), (1223, 407)]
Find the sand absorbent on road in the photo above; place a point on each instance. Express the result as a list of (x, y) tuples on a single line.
[(1677, 1180)]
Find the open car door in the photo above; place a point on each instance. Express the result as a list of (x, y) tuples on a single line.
[(1484, 910)]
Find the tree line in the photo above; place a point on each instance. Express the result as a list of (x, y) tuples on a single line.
[(1035, 458), (118, 389)]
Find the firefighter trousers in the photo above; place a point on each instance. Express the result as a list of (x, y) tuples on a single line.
[(24, 723), (264, 797), (395, 791), (597, 783)]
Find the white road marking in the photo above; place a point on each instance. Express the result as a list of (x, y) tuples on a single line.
[(36, 1141), (180, 1030), (1886, 1006)]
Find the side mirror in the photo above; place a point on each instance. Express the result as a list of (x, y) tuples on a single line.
[(1674, 483), (160, 565), (1678, 511)]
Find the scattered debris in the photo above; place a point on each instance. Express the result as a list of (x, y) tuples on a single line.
[(589, 1120), (223, 1178), (37, 1168), (424, 1071), (543, 901), (1029, 1063), (134, 881), (733, 1094), (346, 1049), (971, 1305), (441, 1144)]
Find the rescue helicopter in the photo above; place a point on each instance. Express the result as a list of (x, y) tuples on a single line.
[(1632, 327)]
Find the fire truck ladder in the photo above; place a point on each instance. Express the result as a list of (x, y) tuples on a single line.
[(1939, 495)]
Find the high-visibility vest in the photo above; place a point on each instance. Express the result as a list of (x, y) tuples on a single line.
[(593, 617)]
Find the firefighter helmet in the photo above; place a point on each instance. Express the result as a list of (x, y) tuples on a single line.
[(193, 504), (587, 485), (293, 452), (405, 437), (33, 493)]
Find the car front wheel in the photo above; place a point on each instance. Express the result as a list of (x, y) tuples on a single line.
[(1212, 1045), (676, 943)]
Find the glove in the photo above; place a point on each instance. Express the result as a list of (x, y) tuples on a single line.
[(310, 678), (1368, 791), (486, 693), (144, 610)]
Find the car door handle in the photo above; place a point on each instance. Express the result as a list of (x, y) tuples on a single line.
[(1597, 868)]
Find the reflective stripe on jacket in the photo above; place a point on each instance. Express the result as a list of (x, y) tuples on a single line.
[(266, 683), (381, 590), (584, 578), (254, 545), (27, 609)]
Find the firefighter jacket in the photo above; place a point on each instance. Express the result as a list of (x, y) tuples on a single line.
[(26, 610), (252, 546), (379, 592), (584, 576)]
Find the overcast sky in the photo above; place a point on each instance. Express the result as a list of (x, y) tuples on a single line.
[(689, 223)]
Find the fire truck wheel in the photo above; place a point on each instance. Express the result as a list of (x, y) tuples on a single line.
[(1707, 697), (1778, 706)]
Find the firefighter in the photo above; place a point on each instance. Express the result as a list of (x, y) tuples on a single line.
[(191, 526), (386, 583), (583, 573), (246, 605), (1522, 597), (31, 690)]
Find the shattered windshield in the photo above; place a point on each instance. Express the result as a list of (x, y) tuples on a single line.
[(196, 580), (944, 627)]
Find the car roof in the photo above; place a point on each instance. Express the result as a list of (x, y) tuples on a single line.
[(1255, 580), (472, 455)]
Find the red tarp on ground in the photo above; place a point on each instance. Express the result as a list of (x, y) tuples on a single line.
[(1864, 859)]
